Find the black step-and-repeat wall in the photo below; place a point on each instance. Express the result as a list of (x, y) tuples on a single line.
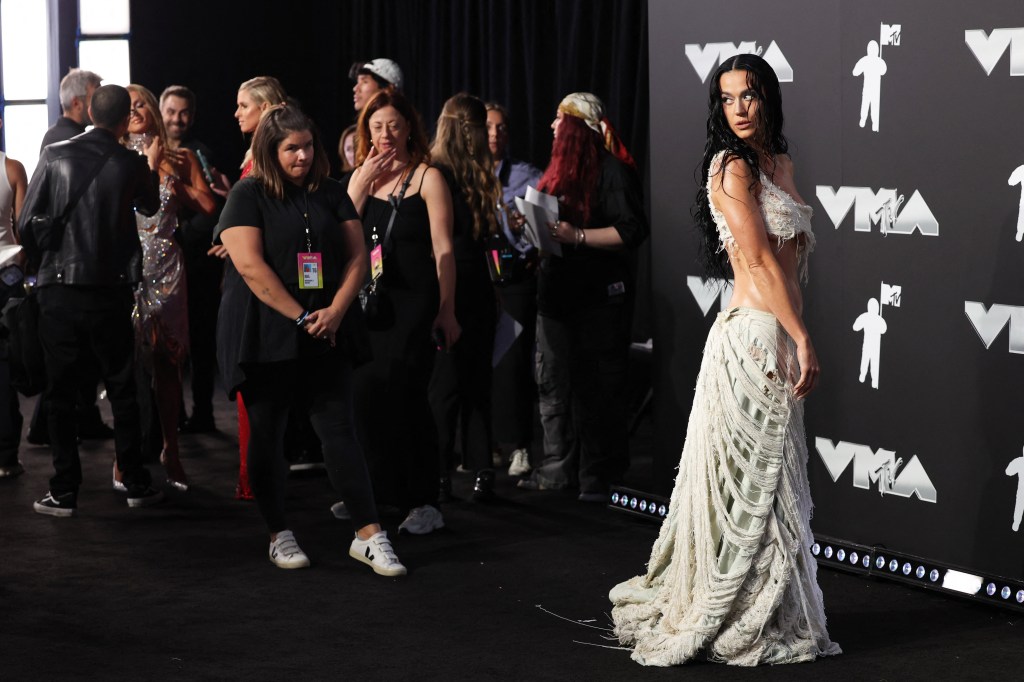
[(907, 133)]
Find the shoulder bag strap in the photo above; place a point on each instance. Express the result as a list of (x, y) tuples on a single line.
[(395, 201), (80, 190)]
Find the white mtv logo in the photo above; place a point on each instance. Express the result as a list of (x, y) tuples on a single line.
[(880, 208), (879, 468), (706, 293), (707, 57), (989, 49), (989, 323)]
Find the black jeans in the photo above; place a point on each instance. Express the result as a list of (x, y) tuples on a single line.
[(323, 387), (83, 328), (581, 376)]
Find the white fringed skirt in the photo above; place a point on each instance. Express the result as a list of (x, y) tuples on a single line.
[(731, 577)]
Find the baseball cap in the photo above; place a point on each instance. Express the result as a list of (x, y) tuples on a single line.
[(384, 69)]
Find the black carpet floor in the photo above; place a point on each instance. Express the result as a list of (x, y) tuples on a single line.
[(185, 591)]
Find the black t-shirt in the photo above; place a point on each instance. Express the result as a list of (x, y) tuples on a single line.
[(248, 331), (585, 277)]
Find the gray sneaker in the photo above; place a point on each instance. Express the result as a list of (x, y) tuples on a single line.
[(377, 552), (285, 551), (422, 520)]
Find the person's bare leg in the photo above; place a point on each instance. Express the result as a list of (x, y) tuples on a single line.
[(167, 387)]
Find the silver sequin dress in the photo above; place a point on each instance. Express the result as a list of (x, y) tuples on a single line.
[(161, 302)]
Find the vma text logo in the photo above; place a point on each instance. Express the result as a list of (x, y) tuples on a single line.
[(882, 208), (989, 49), (705, 58), (880, 468), (706, 293), (989, 323)]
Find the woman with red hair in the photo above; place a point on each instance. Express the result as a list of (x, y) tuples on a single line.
[(585, 302)]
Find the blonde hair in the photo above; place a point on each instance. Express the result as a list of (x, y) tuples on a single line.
[(173, 155), (264, 90), (461, 145)]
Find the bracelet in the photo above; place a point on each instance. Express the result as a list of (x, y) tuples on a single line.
[(301, 318), (583, 237)]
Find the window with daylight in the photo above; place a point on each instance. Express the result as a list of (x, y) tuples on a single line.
[(33, 60), (103, 28), (23, 88)]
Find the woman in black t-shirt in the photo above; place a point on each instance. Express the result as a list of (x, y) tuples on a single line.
[(296, 263)]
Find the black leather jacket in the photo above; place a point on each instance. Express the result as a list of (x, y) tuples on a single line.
[(100, 244)]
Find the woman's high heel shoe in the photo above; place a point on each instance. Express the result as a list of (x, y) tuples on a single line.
[(175, 472)]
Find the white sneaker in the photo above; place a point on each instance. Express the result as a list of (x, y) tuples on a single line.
[(340, 511), (285, 552), (520, 465), (377, 552), (422, 520)]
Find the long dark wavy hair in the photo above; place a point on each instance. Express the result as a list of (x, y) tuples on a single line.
[(768, 138)]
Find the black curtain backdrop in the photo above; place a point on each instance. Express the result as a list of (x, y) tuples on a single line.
[(524, 54)]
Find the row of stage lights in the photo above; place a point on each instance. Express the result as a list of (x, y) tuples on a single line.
[(862, 559), (879, 561), (643, 504)]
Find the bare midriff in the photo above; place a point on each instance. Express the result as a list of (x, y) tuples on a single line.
[(745, 293)]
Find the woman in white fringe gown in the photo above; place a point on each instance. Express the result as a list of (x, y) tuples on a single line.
[(731, 577)]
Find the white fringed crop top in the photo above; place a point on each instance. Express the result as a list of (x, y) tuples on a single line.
[(784, 218)]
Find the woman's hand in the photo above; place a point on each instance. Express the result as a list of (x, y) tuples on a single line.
[(220, 185), (323, 324), (446, 323), (376, 164), (154, 152), (563, 232), (218, 251), (809, 369)]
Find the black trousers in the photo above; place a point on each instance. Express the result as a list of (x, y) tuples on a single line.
[(83, 328), (514, 391), (397, 428), (460, 388), (322, 386)]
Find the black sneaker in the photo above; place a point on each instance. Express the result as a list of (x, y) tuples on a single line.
[(198, 424), (63, 506), (145, 497)]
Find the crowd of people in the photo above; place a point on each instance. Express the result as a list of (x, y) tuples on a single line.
[(360, 322), (362, 325)]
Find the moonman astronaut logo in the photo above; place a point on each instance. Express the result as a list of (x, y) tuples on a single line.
[(884, 208), (881, 468), (705, 58), (873, 325), (1017, 178), (706, 293), (1016, 468), (988, 49), (872, 67)]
